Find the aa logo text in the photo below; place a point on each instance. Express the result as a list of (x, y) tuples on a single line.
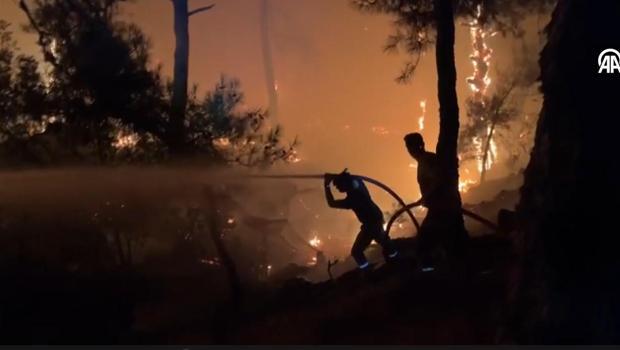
[(609, 61)]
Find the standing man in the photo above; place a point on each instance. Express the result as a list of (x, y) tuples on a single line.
[(367, 212), (443, 225)]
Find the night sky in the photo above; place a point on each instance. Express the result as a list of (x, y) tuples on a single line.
[(335, 83)]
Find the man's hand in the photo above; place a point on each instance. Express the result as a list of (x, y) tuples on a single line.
[(418, 203), (328, 178)]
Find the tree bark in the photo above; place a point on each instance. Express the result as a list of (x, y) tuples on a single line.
[(448, 102), (446, 86), (569, 286), (176, 136)]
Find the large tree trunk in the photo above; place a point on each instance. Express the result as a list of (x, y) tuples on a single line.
[(448, 102), (176, 135), (569, 286)]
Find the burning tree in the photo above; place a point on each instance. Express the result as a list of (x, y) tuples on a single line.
[(492, 115), (420, 24)]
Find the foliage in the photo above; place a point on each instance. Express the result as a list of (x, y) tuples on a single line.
[(97, 98), (218, 125), (414, 22)]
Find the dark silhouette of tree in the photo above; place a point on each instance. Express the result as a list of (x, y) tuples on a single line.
[(7, 56), (108, 105), (99, 68), (415, 23), (218, 125), (568, 290), (177, 132), (23, 99)]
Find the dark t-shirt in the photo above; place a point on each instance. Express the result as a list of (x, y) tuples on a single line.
[(361, 203), (435, 184)]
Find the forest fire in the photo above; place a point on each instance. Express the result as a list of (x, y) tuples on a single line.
[(481, 57), (479, 82), (150, 193)]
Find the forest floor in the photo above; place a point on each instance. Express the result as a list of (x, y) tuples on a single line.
[(398, 304)]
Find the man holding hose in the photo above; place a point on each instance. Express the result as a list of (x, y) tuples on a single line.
[(368, 213), (443, 225)]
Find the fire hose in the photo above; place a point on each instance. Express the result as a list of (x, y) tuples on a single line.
[(466, 212), (365, 178), (404, 207)]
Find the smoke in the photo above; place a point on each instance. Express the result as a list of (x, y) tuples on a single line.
[(157, 210)]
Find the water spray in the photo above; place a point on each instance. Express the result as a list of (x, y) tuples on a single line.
[(365, 178), (405, 208)]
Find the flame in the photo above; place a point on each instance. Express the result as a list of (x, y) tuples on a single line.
[(479, 83), (293, 157), (492, 158), (465, 185), (315, 241), (221, 142), (421, 119), (125, 140)]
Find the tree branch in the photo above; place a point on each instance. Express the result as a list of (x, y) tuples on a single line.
[(43, 39), (200, 9)]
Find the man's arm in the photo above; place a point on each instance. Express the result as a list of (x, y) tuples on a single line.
[(430, 193), (432, 168), (333, 203)]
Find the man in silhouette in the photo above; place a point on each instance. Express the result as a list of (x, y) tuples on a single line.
[(368, 213), (443, 224)]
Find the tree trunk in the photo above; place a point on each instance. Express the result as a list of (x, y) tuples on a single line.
[(494, 120), (569, 286), (268, 63), (176, 137), (485, 151), (448, 102)]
